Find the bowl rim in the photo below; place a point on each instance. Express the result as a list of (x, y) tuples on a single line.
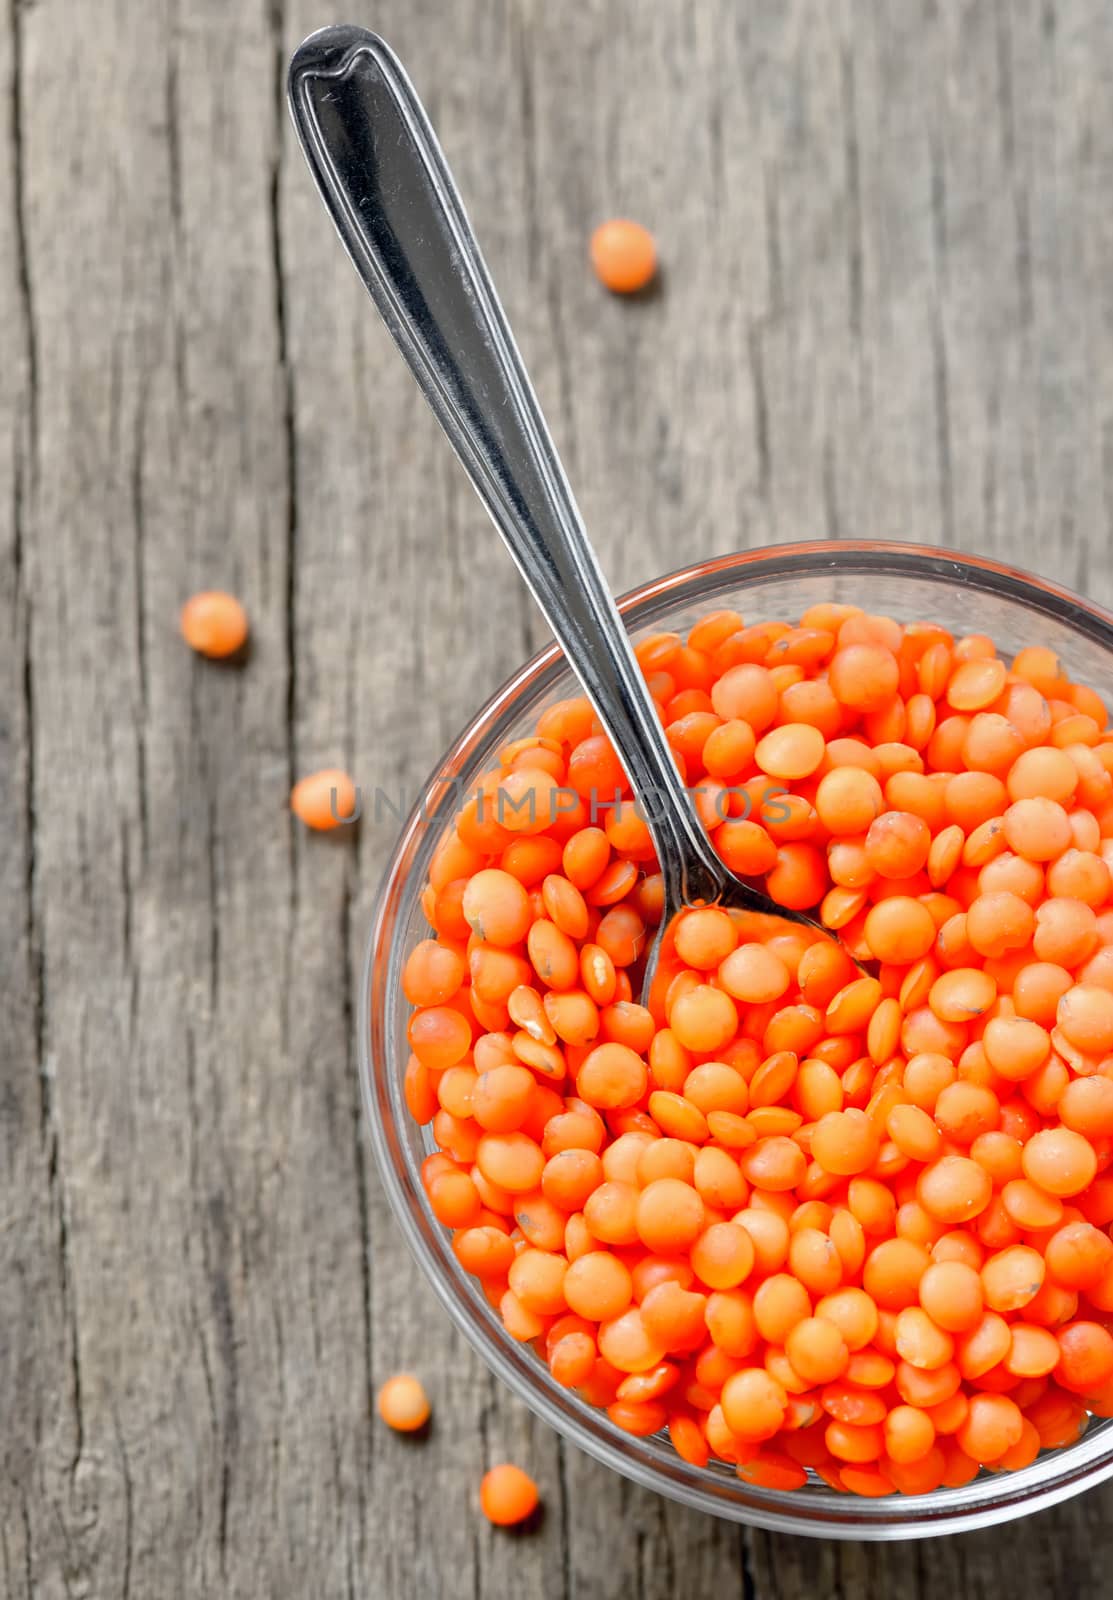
[(989, 1499)]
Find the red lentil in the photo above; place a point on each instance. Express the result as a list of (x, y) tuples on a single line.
[(214, 624), (324, 800), (624, 255), (507, 1495), (403, 1404)]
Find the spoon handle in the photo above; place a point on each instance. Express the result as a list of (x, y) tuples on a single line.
[(389, 192)]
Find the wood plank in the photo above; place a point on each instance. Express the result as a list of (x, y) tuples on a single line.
[(165, 909), (36, 1368)]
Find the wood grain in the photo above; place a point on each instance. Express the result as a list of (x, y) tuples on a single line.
[(886, 310)]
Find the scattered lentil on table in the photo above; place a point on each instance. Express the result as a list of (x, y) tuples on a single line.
[(507, 1495), (324, 800), (624, 255), (214, 624), (805, 1219), (403, 1403)]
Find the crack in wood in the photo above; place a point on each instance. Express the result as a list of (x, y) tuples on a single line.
[(939, 359)]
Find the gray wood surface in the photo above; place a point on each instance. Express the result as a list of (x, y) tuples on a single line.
[(886, 310)]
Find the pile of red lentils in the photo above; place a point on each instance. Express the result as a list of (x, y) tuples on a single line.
[(809, 1216)]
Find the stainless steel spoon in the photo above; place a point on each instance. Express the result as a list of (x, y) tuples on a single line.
[(388, 189)]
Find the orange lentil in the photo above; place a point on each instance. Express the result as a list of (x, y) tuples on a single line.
[(997, 922), (1086, 1106), (1016, 1047), (863, 676), (670, 1215), (497, 907), (798, 880), (772, 1470), (897, 844), (624, 255), (966, 1109), (850, 1404), (403, 1404), (961, 994), (753, 1404), (913, 1132), (909, 1434), (687, 1440), (597, 1286), (626, 1343), (612, 1076), (675, 1317), (729, 749), (728, 1316), (1060, 1161), (704, 938), (746, 692), (485, 1251), (715, 1086), (723, 1255), (214, 624), (1033, 1352), (1037, 828), (999, 1153), (745, 846), (439, 1036), (1085, 1017), (817, 1350), (993, 1424), (617, 881), (774, 1164), (926, 1075), (926, 1387), (324, 800), (856, 1443), (773, 1079), (1066, 931), (572, 1359), (1085, 1356), (892, 1273), (512, 1161), (951, 1293), (754, 974), (531, 859), (848, 800), (585, 857), (1012, 1277), (432, 974), (992, 743), (1042, 772), (791, 751), (536, 1278), (920, 1341), (507, 1495), (1080, 875), (814, 1259), (983, 1346), (976, 684), (845, 1142)]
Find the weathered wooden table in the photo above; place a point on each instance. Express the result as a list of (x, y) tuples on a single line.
[(886, 309)]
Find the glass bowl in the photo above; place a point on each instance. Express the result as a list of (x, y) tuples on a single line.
[(966, 595)]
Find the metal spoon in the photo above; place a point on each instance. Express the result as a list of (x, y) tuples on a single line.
[(388, 189)]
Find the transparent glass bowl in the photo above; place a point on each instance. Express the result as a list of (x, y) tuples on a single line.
[(907, 582)]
